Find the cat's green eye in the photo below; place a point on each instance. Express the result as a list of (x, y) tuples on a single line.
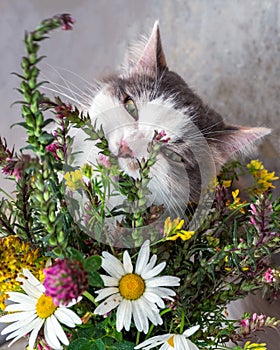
[(168, 153), (130, 106)]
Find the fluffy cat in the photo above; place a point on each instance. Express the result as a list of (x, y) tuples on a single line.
[(147, 96)]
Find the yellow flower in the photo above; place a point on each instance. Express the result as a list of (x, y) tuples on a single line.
[(73, 179), (226, 183), (172, 230), (261, 176), (255, 346), (236, 202), (87, 170), (16, 255)]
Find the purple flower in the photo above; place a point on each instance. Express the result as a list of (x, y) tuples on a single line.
[(161, 137), (269, 275), (65, 280), (260, 218), (16, 166), (52, 148), (66, 21), (104, 160)]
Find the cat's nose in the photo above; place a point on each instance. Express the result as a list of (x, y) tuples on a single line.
[(124, 150)]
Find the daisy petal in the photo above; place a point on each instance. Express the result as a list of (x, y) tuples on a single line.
[(67, 317), (24, 330), (155, 271), (153, 342), (152, 311), (154, 298), (191, 345), (34, 333), (17, 325), (20, 307), (163, 281), (108, 304), (31, 278), (151, 264), (110, 281), (59, 331), (180, 342), (17, 297), (29, 288), (127, 265), (106, 292), (124, 313), (143, 257), (16, 316), (191, 331), (112, 265), (50, 334), (140, 316), (162, 292)]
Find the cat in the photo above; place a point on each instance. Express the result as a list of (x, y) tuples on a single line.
[(147, 96)]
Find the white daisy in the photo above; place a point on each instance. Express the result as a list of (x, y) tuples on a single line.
[(30, 311), (171, 341), (138, 293)]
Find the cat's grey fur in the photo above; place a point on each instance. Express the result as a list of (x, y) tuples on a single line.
[(199, 137)]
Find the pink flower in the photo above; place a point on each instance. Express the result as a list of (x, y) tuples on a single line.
[(52, 148), (104, 160), (65, 280), (161, 137), (269, 275), (66, 21)]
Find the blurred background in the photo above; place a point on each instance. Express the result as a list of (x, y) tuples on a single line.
[(227, 51)]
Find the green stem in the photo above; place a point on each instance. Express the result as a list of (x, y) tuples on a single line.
[(137, 338), (182, 323), (90, 297)]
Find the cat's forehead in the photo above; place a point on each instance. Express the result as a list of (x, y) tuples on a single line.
[(136, 86)]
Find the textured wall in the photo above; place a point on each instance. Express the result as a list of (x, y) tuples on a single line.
[(227, 50)]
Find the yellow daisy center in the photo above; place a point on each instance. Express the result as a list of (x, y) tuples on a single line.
[(170, 341), (131, 286), (45, 306)]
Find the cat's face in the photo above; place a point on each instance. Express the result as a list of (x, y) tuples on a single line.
[(147, 96)]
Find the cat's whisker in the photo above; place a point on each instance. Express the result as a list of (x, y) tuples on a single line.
[(70, 88), (67, 85), (62, 89), (57, 69), (76, 101)]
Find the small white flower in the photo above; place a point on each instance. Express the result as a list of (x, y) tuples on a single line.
[(32, 310), (171, 341), (137, 294)]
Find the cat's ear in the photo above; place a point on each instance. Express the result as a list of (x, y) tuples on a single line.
[(235, 140), (151, 57)]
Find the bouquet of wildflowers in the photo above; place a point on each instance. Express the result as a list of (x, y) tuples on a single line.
[(79, 274)]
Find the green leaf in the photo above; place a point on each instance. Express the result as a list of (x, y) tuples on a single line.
[(75, 254), (48, 121), (91, 332), (23, 124), (92, 263), (94, 279), (82, 344), (46, 138), (124, 345)]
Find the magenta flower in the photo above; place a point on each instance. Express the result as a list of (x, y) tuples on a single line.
[(66, 21), (260, 218), (52, 148), (104, 160), (269, 275), (65, 280), (161, 136)]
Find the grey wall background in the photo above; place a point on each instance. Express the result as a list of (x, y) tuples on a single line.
[(227, 50)]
